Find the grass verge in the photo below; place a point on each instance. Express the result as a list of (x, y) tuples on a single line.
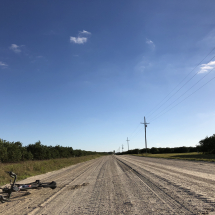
[(194, 156), (30, 168)]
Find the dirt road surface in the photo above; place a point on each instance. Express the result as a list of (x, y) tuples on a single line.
[(122, 185)]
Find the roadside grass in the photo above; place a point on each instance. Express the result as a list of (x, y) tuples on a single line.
[(26, 169), (194, 156)]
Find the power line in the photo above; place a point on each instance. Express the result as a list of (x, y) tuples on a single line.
[(183, 99), (160, 104), (135, 131), (185, 92), (164, 101)]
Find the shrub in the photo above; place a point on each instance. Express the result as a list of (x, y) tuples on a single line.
[(154, 150), (207, 145)]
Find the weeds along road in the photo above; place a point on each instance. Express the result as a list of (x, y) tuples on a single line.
[(122, 185)]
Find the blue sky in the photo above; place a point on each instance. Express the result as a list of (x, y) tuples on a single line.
[(85, 73)]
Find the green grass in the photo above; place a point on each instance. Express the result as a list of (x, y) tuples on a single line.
[(195, 156), (26, 169)]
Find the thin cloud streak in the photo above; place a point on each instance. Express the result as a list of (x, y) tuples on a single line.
[(3, 65), (150, 42), (78, 40), (15, 48), (84, 32), (206, 67)]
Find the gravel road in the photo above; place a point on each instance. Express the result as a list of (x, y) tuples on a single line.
[(122, 185)]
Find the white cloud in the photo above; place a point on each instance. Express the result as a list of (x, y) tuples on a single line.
[(151, 43), (78, 40), (15, 48), (206, 67), (84, 32), (3, 65)]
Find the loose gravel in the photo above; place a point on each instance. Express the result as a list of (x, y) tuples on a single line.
[(122, 185)]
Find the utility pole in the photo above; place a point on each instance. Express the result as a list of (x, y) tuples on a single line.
[(145, 124), (128, 143), (122, 148)]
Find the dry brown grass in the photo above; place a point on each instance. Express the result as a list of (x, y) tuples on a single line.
[(195, 156), (26, 169)]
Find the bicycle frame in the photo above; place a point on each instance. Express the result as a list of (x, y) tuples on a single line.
[(23, 187)]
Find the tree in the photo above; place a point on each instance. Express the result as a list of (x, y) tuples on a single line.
[(154, 150), (207, 145), (14, 152), (3, 152), (38, 150)]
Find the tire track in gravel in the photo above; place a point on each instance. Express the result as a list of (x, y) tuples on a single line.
[(207, 177), (173, 203), (63, 177), (200, 187), (192, 200), (88, 168), (194, 182), (109, 195), (62, 202), (116, 185), (104, 195)]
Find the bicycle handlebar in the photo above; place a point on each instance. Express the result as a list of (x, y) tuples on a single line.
[(11, 174)]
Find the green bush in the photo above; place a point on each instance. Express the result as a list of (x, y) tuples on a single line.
[(207, 145), (154, 150), (15, 152)]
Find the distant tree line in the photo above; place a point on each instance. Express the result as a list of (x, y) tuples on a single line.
[(160, 150), (15, 152), (206, 145)]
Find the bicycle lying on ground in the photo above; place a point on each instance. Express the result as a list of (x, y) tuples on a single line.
[(23, 187)]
